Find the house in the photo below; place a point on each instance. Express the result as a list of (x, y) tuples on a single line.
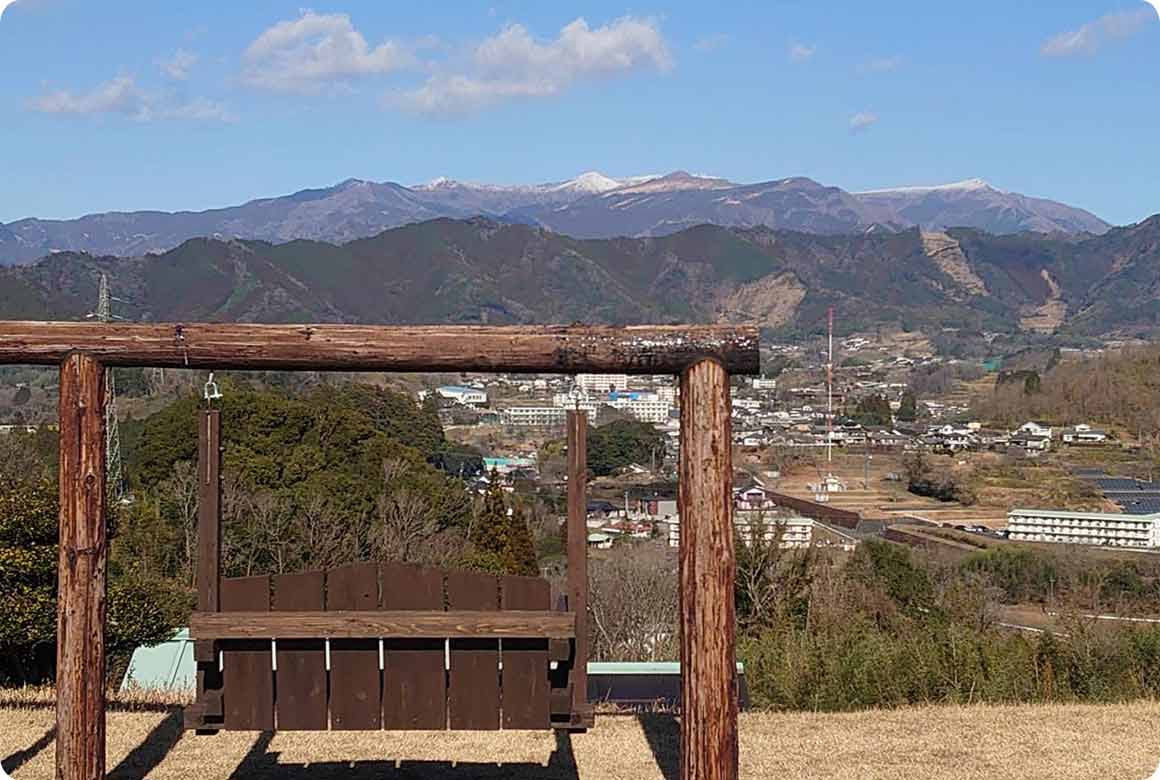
[(1083, 434), (1035, 428), (1031, 442)]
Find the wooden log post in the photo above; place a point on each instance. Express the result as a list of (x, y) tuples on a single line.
[(206, 713), (708, 665), (578, 562), (80, 655), (209, 515)]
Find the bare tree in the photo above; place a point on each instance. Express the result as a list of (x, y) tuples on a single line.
[(406, 518), (328, 538), (277, 532), (632, 602), (182, 490)]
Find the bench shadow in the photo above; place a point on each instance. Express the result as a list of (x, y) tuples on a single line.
[(664, 739), (260, 762), (21, 757), (147, 756)]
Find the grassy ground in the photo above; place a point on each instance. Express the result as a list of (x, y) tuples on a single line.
[(1053, 743)]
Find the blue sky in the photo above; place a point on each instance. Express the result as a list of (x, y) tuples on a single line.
[(134, 104)]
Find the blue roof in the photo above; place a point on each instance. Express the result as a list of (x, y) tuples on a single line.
[(1117, 483), (459, 389)]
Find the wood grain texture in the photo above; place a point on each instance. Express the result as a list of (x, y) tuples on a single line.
[(524, 677), (80, 677), (343, 624), (578, 556), (300, 682), (516, 349), (708, 668), (209, 534), (247, 667), (414, 674), (473, 680), (355, 678)]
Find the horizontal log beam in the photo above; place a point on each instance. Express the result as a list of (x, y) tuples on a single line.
[(518, 349), (398, 624)]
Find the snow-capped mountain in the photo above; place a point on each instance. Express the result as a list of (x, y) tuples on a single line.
[(592, 205), (975, 203)]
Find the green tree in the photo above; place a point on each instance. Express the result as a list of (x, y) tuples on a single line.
[(873, 410), (500, 537), (613, 446), (142, 609), (519, 547), (908, 407)]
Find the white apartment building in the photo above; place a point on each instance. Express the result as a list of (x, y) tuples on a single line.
[(467, 396), (1102, 529), (796, 532), (601, 383), (646, 407), (534, 416), (578, 401)]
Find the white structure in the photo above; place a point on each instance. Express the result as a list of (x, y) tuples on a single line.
[(467, 396), (581, 402), (761, 383), (795, 532), (1037, 429), (646, 407), (1103, 529), (1084, 434), (534, 416), (599, 384)]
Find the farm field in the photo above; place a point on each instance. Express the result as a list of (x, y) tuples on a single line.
[(934, 743)]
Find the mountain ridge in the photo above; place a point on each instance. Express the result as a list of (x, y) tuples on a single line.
[(591, 205), (480, 270)]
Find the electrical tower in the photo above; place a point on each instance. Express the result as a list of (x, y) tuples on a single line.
[(113, 477)]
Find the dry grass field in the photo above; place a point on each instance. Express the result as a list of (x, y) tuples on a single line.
[(1053, 743)]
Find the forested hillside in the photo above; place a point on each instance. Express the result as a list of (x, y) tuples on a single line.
[(472, 271)]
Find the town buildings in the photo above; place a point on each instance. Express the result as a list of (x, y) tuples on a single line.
[(1102, 529)]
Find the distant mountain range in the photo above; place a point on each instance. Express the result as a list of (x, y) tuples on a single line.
[(590, 206), (482, 270)]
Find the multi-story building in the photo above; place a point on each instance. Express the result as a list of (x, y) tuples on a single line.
[(646, 407), (601, 383), (791, 531), (581, 402), (534, 416), (1104, 529), (468, 396)]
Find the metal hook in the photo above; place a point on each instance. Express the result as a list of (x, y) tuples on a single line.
[(212, 393)]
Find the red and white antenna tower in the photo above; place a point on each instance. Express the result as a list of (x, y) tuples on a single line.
[(830, 389)]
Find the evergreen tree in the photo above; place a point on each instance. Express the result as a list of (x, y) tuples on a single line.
[(908, 410), (501, 538), (489, 530), (520, 548)]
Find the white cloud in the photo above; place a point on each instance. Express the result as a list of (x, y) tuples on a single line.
[(1093, 36), (316, 51), (197, 110), (512, 64), (122, 96), (880, 65), (862, 121), (799, 52), (178, 66), (711, 42)]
